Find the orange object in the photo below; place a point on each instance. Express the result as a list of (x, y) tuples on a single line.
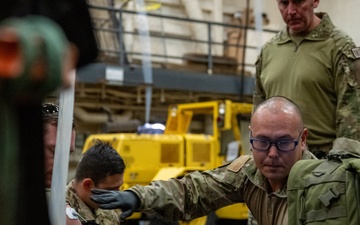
[(11, 57)]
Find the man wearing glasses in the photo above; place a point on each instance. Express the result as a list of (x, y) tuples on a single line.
[(278, 140)]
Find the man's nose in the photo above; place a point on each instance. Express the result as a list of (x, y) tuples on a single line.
[(292, 8), (273, 151)]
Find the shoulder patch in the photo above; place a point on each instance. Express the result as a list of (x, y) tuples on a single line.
[(356, 52), (238, 163)]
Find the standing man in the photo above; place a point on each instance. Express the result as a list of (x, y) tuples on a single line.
[(316, 65), (278, 140), (50, 114), (101, 167)]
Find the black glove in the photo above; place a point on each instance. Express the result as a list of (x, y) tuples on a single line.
[(127, 201)]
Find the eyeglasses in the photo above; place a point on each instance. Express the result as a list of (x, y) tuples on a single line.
[(50, 112), (50, 109), (283, 145)]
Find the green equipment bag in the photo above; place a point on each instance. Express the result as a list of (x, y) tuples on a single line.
[(325, 191)]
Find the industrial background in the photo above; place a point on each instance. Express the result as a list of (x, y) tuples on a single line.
[(136, 58), (176, 51)]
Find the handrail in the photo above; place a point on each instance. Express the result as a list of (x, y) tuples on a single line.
[(176, 18), (123, 53)]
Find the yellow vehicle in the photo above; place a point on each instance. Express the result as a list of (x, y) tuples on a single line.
[(179, 150)]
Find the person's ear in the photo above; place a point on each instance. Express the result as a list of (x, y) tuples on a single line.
[(88, 184), (304, 137), (316, 3)]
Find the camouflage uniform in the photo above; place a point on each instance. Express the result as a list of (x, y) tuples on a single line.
[(99, 216), (199, 193), (321, 74)]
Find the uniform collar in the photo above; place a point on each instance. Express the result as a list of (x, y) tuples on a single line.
[(319, 33), (76, 202), (308, 155)]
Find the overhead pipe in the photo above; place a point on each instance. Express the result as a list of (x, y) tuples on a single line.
[(62, 152), (242, 77), (143, 28), (99, 118)]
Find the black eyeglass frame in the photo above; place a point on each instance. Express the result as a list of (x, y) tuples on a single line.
[(271, 143), (49, 109)]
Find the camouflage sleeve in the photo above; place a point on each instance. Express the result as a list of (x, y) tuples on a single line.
[(259, 93), (348, 93), (107, 217), (195, 195)]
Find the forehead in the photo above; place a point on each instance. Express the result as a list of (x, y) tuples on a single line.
[(111, 181), (270, 123)]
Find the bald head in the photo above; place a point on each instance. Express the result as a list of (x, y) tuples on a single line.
[(278, 105), (277, 120)]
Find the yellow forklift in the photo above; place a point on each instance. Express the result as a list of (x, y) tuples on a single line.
[(182, 148)]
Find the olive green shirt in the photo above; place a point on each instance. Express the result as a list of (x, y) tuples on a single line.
[(321, 74), (199, 193), (99, 216)]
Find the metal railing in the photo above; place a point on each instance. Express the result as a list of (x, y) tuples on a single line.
[(115, 47)]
